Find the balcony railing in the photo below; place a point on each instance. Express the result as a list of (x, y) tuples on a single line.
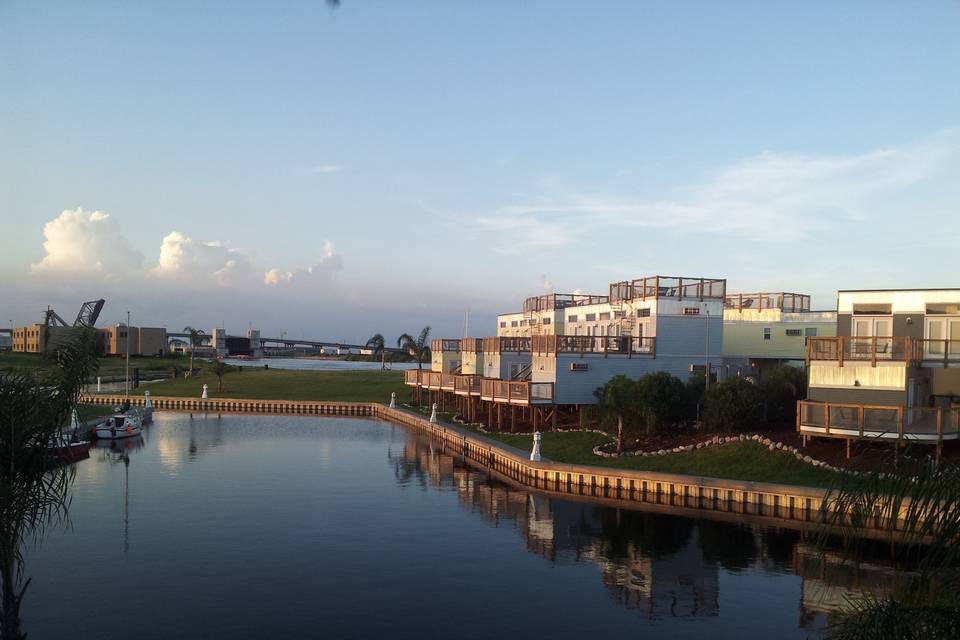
[(471, 345), (668, 287), (605, 345), (787, 302), (913, 351), (945, 352), (503, 344), (414, 377), (445, 344), (516, 392), (879, 421), (551, 301), (467, 385)]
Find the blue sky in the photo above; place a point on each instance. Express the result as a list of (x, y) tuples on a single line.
[(385, 165)]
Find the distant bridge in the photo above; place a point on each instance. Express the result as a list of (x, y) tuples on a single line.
[(280, 343)]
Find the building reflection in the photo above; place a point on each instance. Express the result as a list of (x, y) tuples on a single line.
[(659, 564)]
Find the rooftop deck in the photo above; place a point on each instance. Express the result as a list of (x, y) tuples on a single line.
[(551, 301), (602, 345), (445, 344), (786, 302), (471, 345), (652, 287), (504, 344)]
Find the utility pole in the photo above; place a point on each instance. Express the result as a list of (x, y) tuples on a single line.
[(127, 379), (706, 356)]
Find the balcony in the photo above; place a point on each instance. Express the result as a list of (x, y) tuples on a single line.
[(521, 392), (602, 345), (874, 349), (467, 385), (652, 287), (855, 421), (786, 302), (506, 345)]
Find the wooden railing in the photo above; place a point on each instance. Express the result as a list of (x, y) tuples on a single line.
[(668, 287), (870, 421), (871, 349), (445, 344), (467, 385), (551, 301), (934, 351), (471, 345), (605, 345), (788, 302), (516, 391), (414, 377), (504, 344)]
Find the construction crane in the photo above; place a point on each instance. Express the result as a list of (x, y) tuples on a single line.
[(89, 312)]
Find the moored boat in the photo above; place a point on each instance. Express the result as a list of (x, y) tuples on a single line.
[(121, 425)]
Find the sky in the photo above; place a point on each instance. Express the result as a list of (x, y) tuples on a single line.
[(333, 172)]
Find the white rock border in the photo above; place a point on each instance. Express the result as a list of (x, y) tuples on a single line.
[(716, 441)]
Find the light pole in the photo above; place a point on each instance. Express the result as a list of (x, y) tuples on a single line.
[(706, 355), (126, 384)]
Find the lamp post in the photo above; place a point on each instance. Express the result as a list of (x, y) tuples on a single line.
[(126, 384), (706, 355)]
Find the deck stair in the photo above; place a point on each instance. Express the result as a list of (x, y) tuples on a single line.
[(524, 373)]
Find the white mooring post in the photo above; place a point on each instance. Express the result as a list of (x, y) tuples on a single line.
[(535, 454), (393, 399), (98, 384), (433, 414), (204, 396)]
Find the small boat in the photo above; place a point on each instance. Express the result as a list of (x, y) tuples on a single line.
[(121, 425), (70, 452)]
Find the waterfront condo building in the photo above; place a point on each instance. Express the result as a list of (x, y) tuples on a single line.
[(546, 361), (891, 372), (762, 330)]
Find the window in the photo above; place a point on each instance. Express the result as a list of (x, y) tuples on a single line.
[(794, 332), (643, 313), (617, 315), (571, 318), (810, 332), (513, 323), (766, 333), (523, 323), (605, 316), (503, 324), (691, 311), (591, 317), (546, 321)]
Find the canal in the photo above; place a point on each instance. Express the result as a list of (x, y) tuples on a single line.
[(285, 527)]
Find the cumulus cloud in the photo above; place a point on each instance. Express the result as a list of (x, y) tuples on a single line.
[(769, 197), (322, 272), (182, 257), (81, 241)]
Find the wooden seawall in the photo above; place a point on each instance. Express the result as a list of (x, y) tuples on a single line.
[(797, 503)]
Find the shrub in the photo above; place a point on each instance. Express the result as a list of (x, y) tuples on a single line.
[(732, 405)]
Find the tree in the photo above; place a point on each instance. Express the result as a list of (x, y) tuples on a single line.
[(195, 336), (377, 346), (33, 492), (732, 405), (661, 399), (918, 506), (618, 405), (220, 368), (781, 388), (418, 349)]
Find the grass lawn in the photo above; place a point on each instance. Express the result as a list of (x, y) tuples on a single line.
[(738, 461), (112, 366), (279, 384)]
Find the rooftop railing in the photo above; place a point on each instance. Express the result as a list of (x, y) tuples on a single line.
[(874, 349), (504, 344), (445, 344), (668, 287), (787, 302), (550, 301), (471, 345), (553, 345)]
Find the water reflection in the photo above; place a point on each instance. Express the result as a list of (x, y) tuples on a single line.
[(660, 564)]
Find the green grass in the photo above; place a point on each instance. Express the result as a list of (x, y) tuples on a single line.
[(278, 384), (109, 366), (738, 461)]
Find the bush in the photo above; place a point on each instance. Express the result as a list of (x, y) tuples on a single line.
[(732, 405), (781, 388), (661, 400)]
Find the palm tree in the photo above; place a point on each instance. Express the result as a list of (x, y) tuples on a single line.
[(377, 346), (34, 493), (220, 368), (618, 403), (195, 336), (418, 349), (918, 506)]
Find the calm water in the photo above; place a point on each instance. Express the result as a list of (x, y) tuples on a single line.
[(273, 527), (310, 364)]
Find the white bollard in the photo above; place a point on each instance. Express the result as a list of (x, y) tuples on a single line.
[(393, 400), (433, 414), (535, 454), (98, 384), (204, 396)]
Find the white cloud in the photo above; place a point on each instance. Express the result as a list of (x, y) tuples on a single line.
[(181, 257), (326, 168), (770, 197), (80, 241), (545, 282), (320, 273)]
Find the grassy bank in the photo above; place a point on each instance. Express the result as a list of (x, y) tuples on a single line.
[(278, 384), (738, 461), (109, 366)]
